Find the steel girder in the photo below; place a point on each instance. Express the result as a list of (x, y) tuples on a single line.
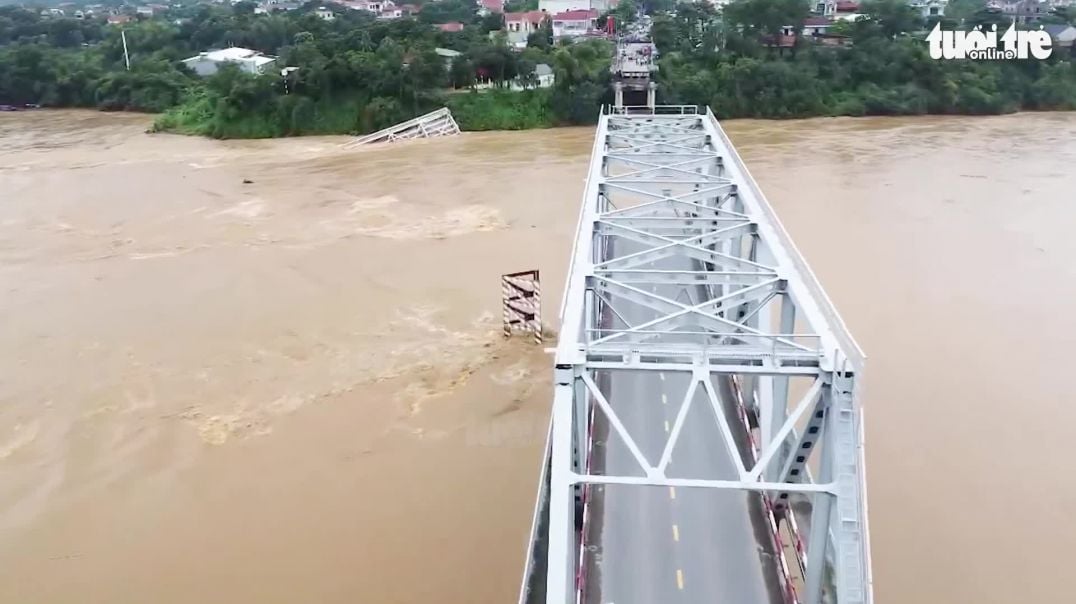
[(673, 188)]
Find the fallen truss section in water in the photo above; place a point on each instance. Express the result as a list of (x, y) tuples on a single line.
[(434, 123), (667, 183)]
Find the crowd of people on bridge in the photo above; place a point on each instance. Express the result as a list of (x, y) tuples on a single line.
[(641, 56)]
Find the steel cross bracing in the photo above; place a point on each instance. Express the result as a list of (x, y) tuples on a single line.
[(681, 267)]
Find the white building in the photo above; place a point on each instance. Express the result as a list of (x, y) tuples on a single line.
[(826, 8), (250, 61), (518, 26), (325, 13), (1063, 35), (929, 8), (559, 6), (573, 23)]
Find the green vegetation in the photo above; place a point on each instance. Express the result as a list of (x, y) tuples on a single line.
[(502, 110), (882, 67), (357, 74)]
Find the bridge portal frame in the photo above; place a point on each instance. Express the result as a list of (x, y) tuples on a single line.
[(694, 197)]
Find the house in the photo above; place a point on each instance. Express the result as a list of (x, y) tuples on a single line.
[(544, 75), (826, 8), (377, 7), (118, 19), (816, 26), (1063, 35), (929, 8), (447, 54), (846, 10), (833, 40), (324, 13), (519, 26), (1029, 11), (553, 7), (451, 27), (145, 11), (488, 7), (574, 23), (390, 11), (541, 77), (250, 61)]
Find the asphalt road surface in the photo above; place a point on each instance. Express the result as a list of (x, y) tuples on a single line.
[(661, 545)]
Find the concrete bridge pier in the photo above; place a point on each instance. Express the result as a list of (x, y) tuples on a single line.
[(651, 95), (618, 89)]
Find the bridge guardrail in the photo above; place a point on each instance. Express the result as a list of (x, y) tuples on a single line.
[(655, 110), (851, 348)]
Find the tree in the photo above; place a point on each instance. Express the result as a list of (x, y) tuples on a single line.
[(542, 38), (765, 17), (626, 12), (461, 73), (893, 17)]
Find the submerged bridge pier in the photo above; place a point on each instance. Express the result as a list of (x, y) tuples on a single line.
[(706, 439)]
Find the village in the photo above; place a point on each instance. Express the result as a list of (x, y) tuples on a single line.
[(569, 20)]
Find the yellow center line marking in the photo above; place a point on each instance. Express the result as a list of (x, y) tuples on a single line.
[(679, 578), (666, 425), (664, 399), (676, 533), (672, 492)]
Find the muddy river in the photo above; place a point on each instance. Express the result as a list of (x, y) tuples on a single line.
[(272, 371)]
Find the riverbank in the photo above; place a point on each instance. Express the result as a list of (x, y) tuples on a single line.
[(528, 110), (473, 111)]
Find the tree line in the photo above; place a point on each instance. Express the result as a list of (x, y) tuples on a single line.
[(879, 64), (357, 73)]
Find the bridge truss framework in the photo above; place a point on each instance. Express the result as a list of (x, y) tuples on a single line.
[(668, 179)]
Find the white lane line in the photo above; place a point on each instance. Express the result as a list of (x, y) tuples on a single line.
[(661, 374), (676, 533), (666, 426), (679, 578), (664, 399)]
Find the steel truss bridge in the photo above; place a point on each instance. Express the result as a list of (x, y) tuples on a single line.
[(706, 442)]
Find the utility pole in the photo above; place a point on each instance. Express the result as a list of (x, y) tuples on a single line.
[(126, 58)]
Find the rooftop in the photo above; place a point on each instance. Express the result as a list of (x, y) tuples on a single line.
[(576, 15), (534, 16), (235, 54), (1056, 29)]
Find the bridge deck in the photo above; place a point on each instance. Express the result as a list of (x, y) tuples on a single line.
[(700, 366)]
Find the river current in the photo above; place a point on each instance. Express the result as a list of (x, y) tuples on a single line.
[(272, 371)]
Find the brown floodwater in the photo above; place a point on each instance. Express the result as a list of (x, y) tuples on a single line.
[(272, 371)]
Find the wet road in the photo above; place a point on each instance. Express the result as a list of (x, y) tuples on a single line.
[(679, 545)]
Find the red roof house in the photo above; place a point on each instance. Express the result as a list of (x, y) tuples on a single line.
[(452, 26)]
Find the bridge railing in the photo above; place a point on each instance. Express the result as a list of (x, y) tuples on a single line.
[(656, 110), (855, 354)]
